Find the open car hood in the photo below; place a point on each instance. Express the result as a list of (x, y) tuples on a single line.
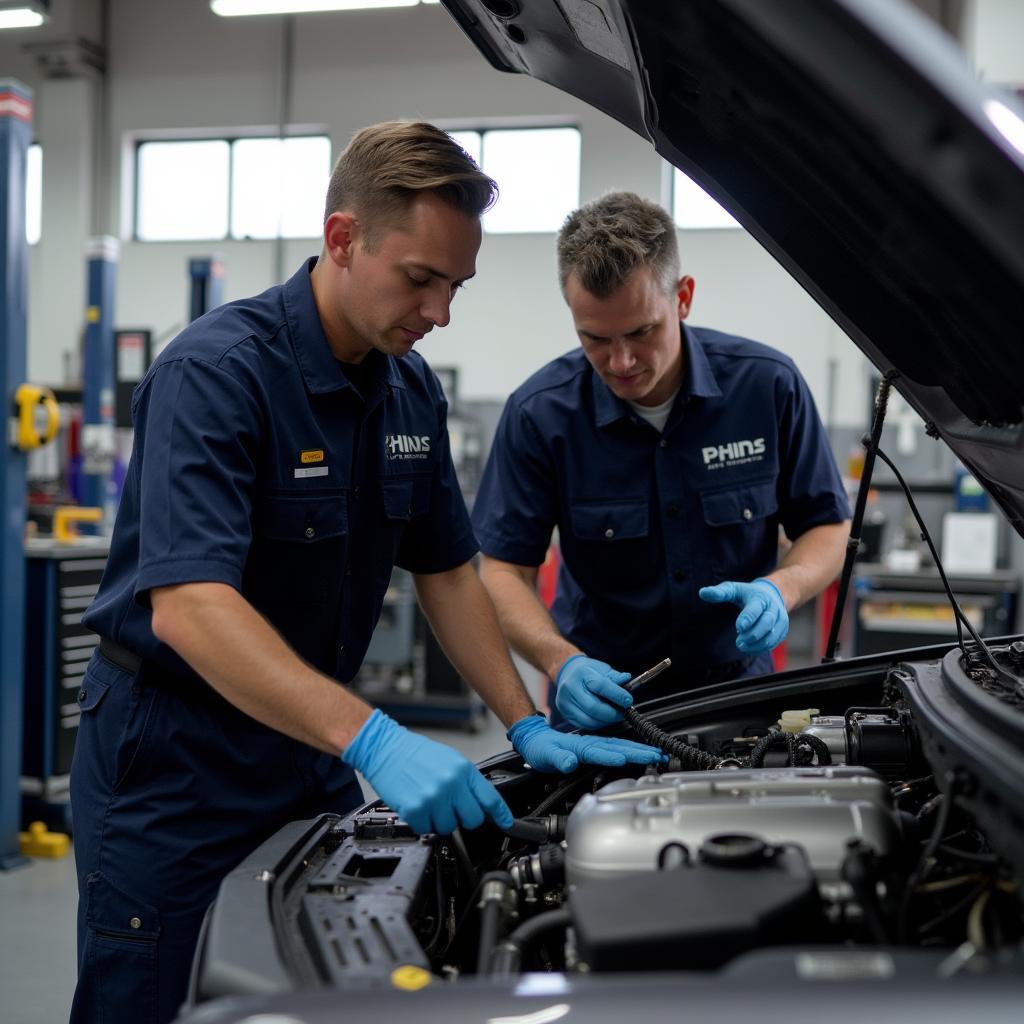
[(852, 140)]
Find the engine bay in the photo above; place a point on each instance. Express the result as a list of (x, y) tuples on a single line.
[(872, 826)]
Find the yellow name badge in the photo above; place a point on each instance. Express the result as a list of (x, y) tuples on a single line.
[(311, 455)]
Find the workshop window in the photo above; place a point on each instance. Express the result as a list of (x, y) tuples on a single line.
[(247, 188), (537, 171), (34, 193), (278, 187), (692, 207), (182, 190)]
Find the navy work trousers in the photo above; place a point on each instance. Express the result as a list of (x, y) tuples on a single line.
[(170, 790)]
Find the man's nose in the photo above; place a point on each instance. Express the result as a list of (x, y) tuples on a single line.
[(438, 306), (621, 359)]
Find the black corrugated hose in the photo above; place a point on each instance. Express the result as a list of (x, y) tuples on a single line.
[(801, 749), (693, 759)]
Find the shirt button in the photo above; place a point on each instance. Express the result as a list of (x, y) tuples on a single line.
[(609, 533), (348, 570), (747, 514), (673, 509), (310, 532), (355, 492), (663, 443), (82, 694), (341, 649), (136, 923), (679, 575)]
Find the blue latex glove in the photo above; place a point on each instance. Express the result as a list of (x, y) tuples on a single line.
[(764, 621), (549, 750), (434, 788), (589, 693)]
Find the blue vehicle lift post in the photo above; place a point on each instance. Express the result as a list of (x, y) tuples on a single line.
[(206, 280), (15, 136), (99, 442)]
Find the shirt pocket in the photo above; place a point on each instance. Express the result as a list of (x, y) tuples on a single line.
[(611, 522), (406, 497), (299, 545), (742, 527)]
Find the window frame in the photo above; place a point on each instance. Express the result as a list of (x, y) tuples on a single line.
[(230, 138), (517, 124)]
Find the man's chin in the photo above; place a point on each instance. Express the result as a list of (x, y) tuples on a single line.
[(628, 391)]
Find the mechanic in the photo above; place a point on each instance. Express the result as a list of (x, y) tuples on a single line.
[(286, 457), (667, 457)]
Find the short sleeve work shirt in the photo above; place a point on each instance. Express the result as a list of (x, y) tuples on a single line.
[(646, 518), (257, 464)]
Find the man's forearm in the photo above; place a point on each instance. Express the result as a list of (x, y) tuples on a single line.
[(245, 660), (811, 563), (526, 623), (463, 618)]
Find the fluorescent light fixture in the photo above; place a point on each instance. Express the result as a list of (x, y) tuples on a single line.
[(24, 13), (238, 8), (1010, 126)]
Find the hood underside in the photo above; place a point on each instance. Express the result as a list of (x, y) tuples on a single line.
[(851, 139)]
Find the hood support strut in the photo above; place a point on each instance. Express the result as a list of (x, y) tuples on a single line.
[(870, 442)]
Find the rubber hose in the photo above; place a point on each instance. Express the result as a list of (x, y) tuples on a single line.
[(509, 955), (491, 918), (531, 831)]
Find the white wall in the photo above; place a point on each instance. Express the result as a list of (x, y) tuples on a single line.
[(176, 66), (994, 39)]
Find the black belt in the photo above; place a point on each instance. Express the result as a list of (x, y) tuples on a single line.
[(120, 656)]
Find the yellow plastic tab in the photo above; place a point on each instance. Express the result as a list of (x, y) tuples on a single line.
[(92, 314), (39, 841), (65, 517), (28, 398), (410, 978), (311, 455)]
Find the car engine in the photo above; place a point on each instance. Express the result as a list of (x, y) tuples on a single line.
[(881, 821)]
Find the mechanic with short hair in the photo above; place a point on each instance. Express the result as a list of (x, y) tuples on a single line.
[(286, 458), (667, 457)]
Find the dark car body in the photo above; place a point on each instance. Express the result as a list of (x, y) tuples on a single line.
[(850, 138)]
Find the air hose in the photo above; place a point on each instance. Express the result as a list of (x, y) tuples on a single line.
[(508, 955)]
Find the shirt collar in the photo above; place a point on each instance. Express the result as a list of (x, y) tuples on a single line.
[(699, 382), (320, 369)]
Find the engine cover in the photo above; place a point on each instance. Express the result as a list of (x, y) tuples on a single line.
[(623, 827)]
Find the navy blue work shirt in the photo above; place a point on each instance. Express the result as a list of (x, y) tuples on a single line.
[(257, 464), (645, 519)]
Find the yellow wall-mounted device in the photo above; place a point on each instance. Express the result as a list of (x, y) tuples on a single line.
[(33, 402)]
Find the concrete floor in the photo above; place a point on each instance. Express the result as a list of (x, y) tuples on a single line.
[(38, 905)]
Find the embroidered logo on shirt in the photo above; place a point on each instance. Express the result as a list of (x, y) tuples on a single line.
[(735, 453), (406, 446), (308, 455)]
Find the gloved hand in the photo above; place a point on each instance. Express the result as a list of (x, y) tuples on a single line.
[(587, 692), (434, 788), (764, 621), (549, 750)]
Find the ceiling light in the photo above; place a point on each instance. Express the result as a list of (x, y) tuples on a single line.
[(237, 8), (24, 13)]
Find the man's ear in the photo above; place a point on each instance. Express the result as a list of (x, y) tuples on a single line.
[(684, 296), (341, 237)]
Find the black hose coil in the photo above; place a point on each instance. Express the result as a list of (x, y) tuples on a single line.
[(800, 749), (692, 758)]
